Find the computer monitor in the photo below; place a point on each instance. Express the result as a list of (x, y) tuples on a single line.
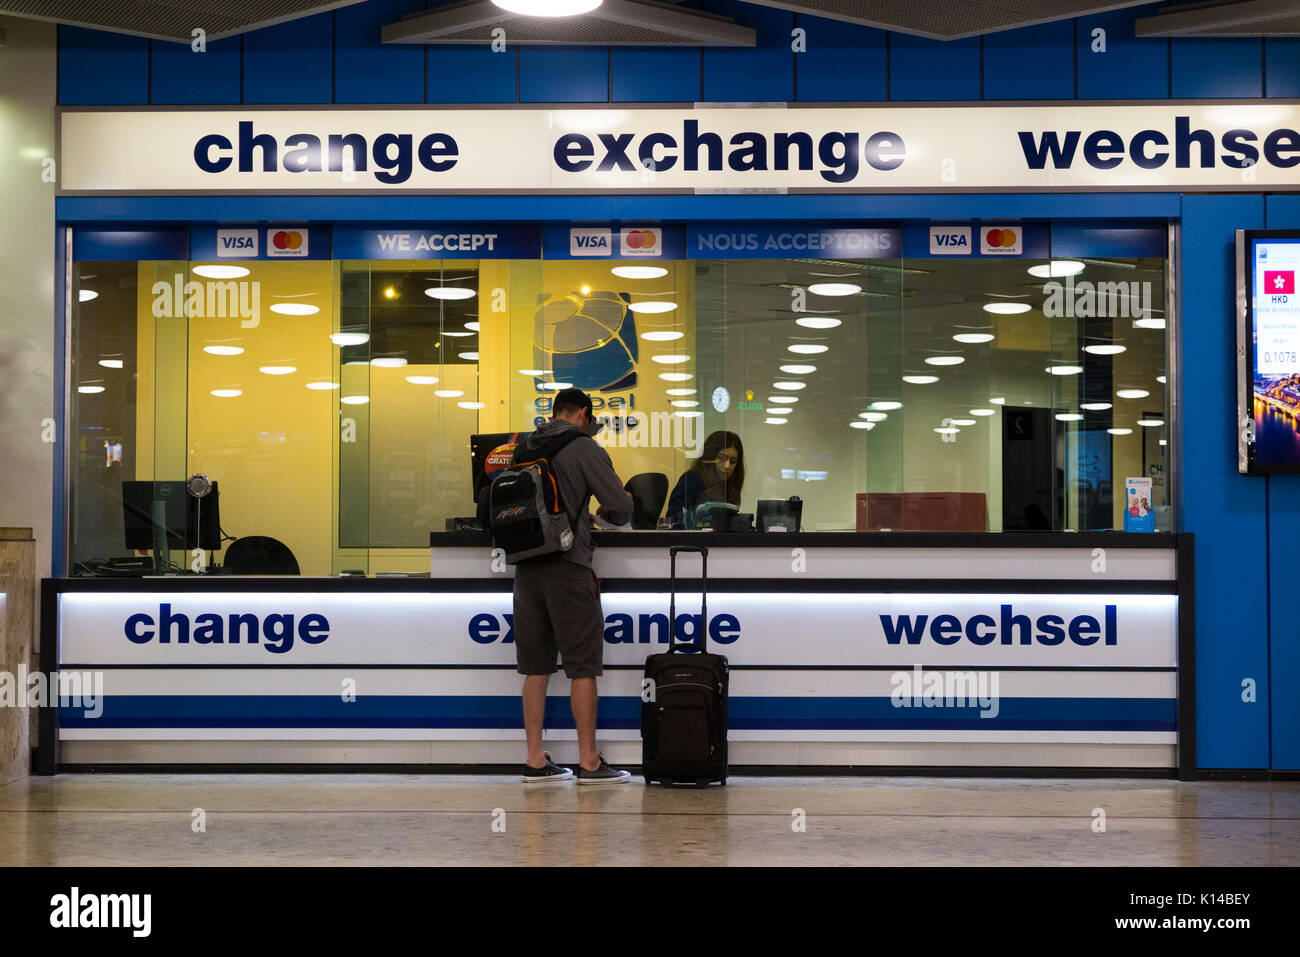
[(179, 513), (779, 513), (484, 462)]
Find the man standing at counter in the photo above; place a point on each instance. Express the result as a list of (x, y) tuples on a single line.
[(557, 598)]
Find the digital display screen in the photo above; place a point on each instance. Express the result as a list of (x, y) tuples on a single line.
[(1273, 322)]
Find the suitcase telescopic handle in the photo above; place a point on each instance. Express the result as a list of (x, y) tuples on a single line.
[(673, 646)]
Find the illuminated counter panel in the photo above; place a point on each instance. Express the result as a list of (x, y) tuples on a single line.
[(920, 670)]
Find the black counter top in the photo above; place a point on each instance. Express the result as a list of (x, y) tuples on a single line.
[(658, 539)]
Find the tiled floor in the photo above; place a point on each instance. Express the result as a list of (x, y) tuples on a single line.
[(251, 819)]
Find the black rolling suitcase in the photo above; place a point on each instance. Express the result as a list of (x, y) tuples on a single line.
[(684, 722)]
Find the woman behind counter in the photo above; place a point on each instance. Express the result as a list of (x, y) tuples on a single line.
[(717, 476)]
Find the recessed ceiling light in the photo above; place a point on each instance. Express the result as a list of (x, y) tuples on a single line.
[(639, 272), (85, 295), (556, 386), (294, 309), (862, 425), (220, 271), (472, 326), (962, 421), (775, 421), (676, 376), (1160, 379), (1120, 431), (1132, 393), (224, 350), (1111, 350), (471, 405), (684, 403), (921, 379), (789, 386), (454, 334), (1063, 370), (1057, 268), (807, 349), (688, 415), (111, 363), (422, 379), (1094, 406), (469, 356), (798, 369), (873, 416), (533, 372), (449, 292), (548, 8), (355, 399), (1006, 308), (983, 411), (973, 337), (947, 431), (671, 360), (679, 391), (1149, 323), (449, 393), (998, 401), (94, 389), (227, 393), (886, 406), (277, 370), (1151, 423), (322, 386), (662, 335), (818, 322), (834, 289), (783, 399), (388, 362), (349, 338), (652, 307), (1163, 442), (1068, 417), (944, 360)]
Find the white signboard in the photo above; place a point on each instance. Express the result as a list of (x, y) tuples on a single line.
[(972, 147)]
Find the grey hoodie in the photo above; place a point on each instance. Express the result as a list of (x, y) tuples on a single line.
[(582, 469)]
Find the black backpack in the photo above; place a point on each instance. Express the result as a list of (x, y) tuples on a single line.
[(525, 516)]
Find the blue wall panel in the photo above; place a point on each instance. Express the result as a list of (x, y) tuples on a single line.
[(761, 74), (1224, 510), (365, 69), (655, 76), (472, 74), (843, 61), (1216, 67), (1130, 68), (1283, 212), (179, 75), (564, 74), (921, 69), (1035, 63), (102, 69), (290, 62), (1282, 68)]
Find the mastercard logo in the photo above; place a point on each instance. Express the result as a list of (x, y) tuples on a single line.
[(287, 239), (1002, 237), (641, 242), (641, 239)]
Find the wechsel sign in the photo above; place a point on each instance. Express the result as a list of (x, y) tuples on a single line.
[(1169, 146)]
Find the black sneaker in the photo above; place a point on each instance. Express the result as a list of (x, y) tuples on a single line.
[(603, 774), (549, 773)]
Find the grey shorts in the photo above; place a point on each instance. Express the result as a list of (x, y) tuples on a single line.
[(557, 610)]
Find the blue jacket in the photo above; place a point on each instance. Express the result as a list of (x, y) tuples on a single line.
[(687, 494)]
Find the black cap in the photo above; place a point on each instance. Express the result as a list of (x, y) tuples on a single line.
[(579, 398)]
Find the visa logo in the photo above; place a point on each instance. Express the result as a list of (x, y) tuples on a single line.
[(590, 242), (236, 243), (950, 241)]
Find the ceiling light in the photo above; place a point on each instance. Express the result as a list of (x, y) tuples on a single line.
[(224, 350), (1120, 431), (973, 337), (533, 372), (551, 386), (1148, 323), (944, 360), (998, 401), (962, 421), (220, 272), (775, 421), (349, 338), (548, 8), (662, 335), (1105, 350), (277, 370), (471, 405), (469, 356), (294, 309), (921, 379), (1151, 423), (798, 369), (947, 431), (676, 376), (983, 411), (1068, 417), (1094, 406), (1163, 442), (1063, 370), (653, 307), (85, 295), (639, 272), (355, 399), (680, 391), (684, 403), (111, 363), (472, 326), (449, 292), (322, 386), (422, 379), (807, 349), (783, 399), (388, 362), (1132, 393), (1006, 308), (455, 334), (818, 322), (873, 416), (227, 393), (671, 360), (834, 289), (1057, 268), (790, 386), (94, 389), (862, 425), (889, 406), (449, 393), (1160, 379), (688, 415)]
